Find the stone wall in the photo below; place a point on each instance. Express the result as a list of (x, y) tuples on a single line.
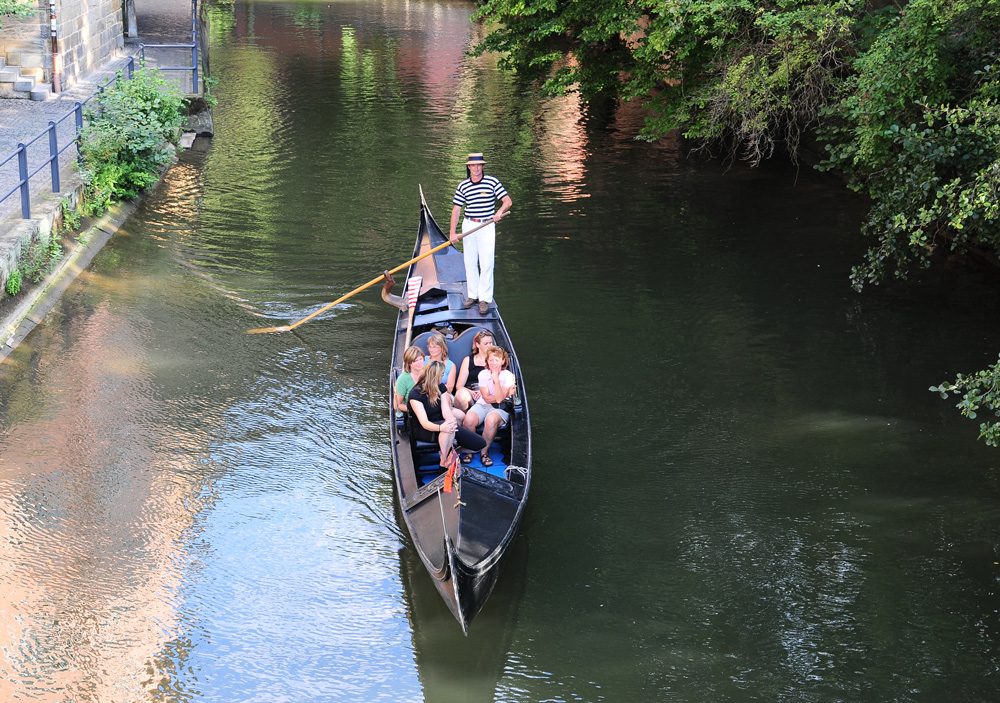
[(24, 42), (90, 33)]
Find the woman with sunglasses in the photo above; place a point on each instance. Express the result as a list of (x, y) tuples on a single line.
[(437, 350), (468, 375)]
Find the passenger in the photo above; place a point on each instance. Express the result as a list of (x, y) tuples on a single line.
[(413, 364), (437, 350), (468, 376), (496, 393), (429, 406)]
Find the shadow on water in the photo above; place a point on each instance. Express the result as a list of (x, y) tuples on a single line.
[(451, 666)]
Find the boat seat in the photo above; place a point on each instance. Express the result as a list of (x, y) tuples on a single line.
[(459, 347)]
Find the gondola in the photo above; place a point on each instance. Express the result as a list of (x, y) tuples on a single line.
[(461, 536)]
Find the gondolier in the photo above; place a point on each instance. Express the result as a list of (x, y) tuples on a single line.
[(478, 195)]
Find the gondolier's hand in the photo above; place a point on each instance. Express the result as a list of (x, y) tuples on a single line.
[(454, 238)]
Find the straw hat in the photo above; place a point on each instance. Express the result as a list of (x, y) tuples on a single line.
[(475, 159)]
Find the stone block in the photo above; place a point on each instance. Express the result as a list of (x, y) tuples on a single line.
[(42, 92)]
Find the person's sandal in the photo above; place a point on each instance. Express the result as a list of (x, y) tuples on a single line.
[(485, 458), (466, 458), (447, 462)]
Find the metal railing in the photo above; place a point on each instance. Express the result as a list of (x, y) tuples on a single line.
[(55, 151), (193, 68), (192, 45)]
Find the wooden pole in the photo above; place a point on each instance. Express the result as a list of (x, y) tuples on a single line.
[(380, 277)]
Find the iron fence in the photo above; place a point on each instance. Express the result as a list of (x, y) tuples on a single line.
[(54, 148)]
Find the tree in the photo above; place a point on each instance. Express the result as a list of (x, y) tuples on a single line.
[(749, 76), (905, 101), (918, 130)]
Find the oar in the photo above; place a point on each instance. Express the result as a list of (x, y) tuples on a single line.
[(381, 277), (412, 293)]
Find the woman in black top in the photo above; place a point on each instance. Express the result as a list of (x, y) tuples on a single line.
[(468, 377), (429, 405)]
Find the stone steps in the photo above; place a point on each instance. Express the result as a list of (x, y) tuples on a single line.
[(23, 84)]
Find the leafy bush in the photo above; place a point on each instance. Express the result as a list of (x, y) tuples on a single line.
[(125, 140), (40, 258), (13, 286), (37, 260), (72, 217), (979, 390), (918, 130)]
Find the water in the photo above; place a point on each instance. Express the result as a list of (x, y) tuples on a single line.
[(742, 489)]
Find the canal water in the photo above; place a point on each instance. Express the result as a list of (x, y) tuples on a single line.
[(743, 489)]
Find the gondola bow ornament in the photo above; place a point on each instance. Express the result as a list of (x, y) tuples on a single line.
[(412, 295)]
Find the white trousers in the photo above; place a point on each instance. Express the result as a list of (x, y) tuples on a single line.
[(479, 249)]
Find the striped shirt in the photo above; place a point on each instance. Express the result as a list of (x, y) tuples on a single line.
[(479, 199)]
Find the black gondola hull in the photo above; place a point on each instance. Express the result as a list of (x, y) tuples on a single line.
[(461, 536)]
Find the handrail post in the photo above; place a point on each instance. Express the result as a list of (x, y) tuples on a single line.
[(194, 47), (22, 170), (78, 117), (131, 66), (54, 155)]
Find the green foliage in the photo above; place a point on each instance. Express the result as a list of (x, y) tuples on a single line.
[(940, 187), (13, 285), (750, 75), (918, 130), (15, 8), (40, 258), (980, 391), (210, 99), (37, 260), (71, 217), (126, 139)]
